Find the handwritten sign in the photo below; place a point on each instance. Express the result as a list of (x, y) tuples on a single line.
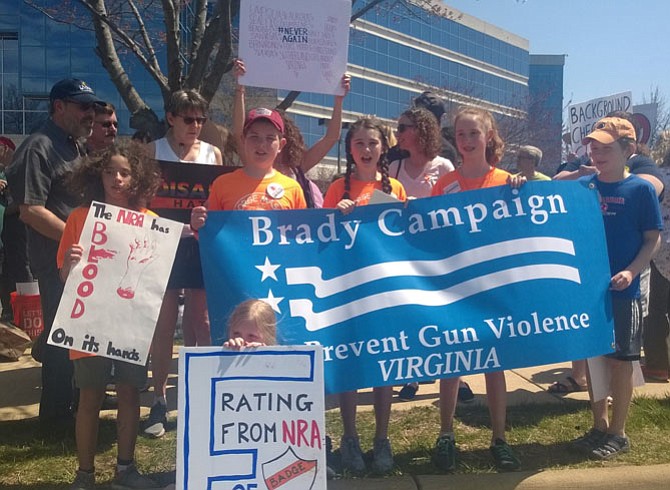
[(583, 116), (251, 419), (295, 44), (471, 282), (113, 295)]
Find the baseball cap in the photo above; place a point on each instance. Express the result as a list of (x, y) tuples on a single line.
[(262, 113), (610, 129), (4, 141), (75, 90)]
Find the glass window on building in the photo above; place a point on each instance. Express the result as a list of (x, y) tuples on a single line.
[(35, 112), (9, 82)]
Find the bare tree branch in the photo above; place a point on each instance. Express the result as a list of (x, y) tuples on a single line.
[(153, 61), (222, 62), (198, 29), (200, 59), (99, 14), (173, 36)]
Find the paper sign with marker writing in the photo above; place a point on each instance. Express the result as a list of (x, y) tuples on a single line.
[(584, 115), (112, 297), (295, 44), (251, 419)]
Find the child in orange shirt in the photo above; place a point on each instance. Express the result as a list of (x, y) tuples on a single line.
[(367, 170), (122, 176), (481, 148), (257, 185)]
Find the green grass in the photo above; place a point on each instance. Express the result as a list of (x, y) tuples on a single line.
[(32, 459)]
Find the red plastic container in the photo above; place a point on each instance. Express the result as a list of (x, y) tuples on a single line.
[(28, 314)]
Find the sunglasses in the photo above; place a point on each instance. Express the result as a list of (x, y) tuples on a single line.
[(188, 120), (403, 127), (83, 106), (108, 124)]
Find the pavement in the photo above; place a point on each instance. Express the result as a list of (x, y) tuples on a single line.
[(20, 389)]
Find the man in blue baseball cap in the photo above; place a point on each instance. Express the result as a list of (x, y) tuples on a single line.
[(37, 176)]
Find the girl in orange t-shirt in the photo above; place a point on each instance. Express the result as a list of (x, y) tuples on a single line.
[(123, 176), (367, 170), (481, 148)]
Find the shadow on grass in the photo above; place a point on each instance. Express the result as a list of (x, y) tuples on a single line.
[(527, 415), (26, 440), (534, 457)]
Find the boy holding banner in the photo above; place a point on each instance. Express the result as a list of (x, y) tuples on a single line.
[(257, 185), (632, 227)]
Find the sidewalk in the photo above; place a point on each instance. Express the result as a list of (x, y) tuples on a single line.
[(20, 388)]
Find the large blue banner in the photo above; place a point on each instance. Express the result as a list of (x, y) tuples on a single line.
[(464, 283)]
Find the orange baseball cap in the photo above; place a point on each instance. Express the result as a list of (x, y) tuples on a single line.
[(610, 129)]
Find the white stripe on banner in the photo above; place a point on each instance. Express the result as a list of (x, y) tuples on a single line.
[(403, 297), (424, 268)]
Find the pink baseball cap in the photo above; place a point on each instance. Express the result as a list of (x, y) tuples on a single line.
[(262, 113)]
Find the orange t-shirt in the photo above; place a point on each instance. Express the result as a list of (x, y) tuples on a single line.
[(71, 235), (360, 192), (454, 182), (238, 191)]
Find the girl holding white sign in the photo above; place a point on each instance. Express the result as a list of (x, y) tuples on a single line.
[(122, 176), (367, 171)]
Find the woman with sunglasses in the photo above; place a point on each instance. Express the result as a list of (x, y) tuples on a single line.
[(186, 114), (418, 134)]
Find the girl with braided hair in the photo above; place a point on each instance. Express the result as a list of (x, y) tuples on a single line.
[(367, 170)]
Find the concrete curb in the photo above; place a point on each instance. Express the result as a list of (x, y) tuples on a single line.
[(628, 477)]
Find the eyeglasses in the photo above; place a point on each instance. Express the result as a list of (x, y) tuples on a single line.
[(403, 127), (83, 106), (108, 124), (188, 120)]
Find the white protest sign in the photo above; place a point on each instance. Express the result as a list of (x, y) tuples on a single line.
[(583, 116), (295, 44), (251, 419), (112, 297)]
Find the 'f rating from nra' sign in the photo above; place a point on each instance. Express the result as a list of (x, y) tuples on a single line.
[(252, 419)]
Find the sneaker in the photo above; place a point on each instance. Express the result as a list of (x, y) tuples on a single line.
[(351, 455), (408, 392), (83, 481), (504, 457), (444, 456), (155, 425), (610, 447), (130, 478), (589, 441), (382, 456), (465, 394)]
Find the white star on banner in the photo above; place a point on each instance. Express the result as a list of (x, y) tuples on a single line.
[(268, 270), (273, 301)]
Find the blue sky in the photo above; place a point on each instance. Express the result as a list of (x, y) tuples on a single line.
[(611, 45)]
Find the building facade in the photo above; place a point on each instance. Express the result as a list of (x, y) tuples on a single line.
[(397, 50)]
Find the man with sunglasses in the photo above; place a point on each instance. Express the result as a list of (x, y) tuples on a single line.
[(105, 127), (37, 178)]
